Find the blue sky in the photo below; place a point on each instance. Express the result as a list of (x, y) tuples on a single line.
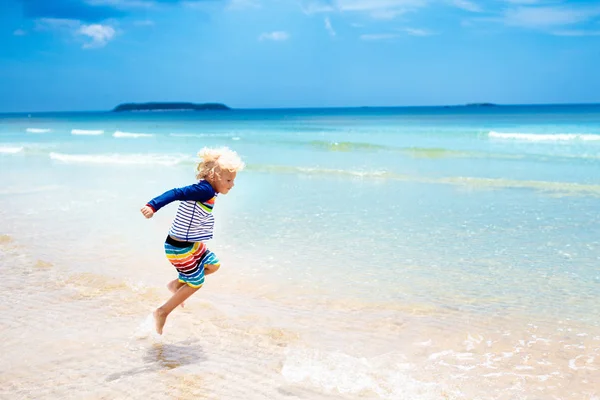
[(59, 55)]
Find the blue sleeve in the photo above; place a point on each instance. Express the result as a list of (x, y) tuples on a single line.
[(201, 191)]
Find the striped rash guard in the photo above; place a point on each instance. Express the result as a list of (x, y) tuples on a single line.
[(194, 220)]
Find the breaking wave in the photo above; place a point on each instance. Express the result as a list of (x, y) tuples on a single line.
[(545, 137), (121, 159), (119, 134), (201, 135), (11, 149), (346, 146), (86, 132), (474, 182), (38, 130)]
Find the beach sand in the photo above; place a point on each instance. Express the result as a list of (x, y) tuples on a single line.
[(87, 335)]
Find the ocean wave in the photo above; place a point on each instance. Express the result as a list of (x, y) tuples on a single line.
[(86, 132), (27, 190), (544, 137), (11, 149), (386, 376), (119, 134), (318, 171), (35, 149), (546, 186), (200, 135), (346, 146), (561, 188), (438, 152), (38, 130), (121, 159), (415, 152)]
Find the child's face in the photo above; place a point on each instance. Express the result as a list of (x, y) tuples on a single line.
[(222, 182)]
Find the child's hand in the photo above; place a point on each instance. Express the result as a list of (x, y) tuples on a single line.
[(147, 211)]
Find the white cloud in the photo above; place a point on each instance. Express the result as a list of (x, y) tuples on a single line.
[(19, 32), (317, 6), (418, 32), (379, 9), (374, 5), (523, 2), (467, 5), (157, 4), (329, 27), (576, 33), (100, 34), (144, 22), (56, 24), (123, 4), (548, 17), (242, 4), (378, 36), (277, 36), (202, 6), (387, 13)]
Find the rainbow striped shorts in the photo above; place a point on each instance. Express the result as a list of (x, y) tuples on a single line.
[(189, 258)]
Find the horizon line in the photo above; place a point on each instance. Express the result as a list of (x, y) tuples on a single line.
[(465, 105)]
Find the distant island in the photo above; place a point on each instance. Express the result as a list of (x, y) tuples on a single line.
[(481, 105), (177, 106)]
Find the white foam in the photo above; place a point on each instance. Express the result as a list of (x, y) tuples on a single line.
[(121, 159), (10, 149), (339, 373), (37, 130), (435, 356), (28, 190), (459, 367), (360, 174), (86, 132), (582, 362), (146, 329), (544, 137), (119, 134), (425, 343), (188, 134), (472, 342), (200, 135), (523, 367), (464, 356)]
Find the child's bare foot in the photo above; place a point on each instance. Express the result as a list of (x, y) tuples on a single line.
[(160, 317), (173, 287)]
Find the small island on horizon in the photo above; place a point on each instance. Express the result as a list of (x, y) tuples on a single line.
[(481, 105), (170, 106), (472, 105)]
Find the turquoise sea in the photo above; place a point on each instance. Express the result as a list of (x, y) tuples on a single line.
[(393, 253)]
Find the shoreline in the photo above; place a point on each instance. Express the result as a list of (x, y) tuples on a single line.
[(352, 342)]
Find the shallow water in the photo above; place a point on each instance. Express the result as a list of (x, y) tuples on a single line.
[(420, 253)]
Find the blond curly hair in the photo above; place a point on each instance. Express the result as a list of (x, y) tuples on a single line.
[(218, 159)]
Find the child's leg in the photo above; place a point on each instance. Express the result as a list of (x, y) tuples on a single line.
[(211, 268), (162, 312), (174, 286)]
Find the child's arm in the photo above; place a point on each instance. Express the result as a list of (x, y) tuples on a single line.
[(201, 191)]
